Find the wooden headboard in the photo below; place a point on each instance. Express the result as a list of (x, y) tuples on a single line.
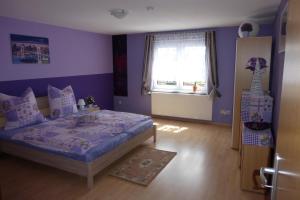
[(43, 105)]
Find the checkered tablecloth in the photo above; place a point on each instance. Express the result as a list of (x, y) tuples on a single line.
[(260, 138)]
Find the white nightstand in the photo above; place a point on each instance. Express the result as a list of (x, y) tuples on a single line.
[(93, 108)]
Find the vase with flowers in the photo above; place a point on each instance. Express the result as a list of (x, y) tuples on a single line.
[(195, 87)]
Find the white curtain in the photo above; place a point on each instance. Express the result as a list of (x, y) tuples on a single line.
[(179, 57)]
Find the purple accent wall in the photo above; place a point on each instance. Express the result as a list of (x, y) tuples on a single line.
[(226, 39), (77, 58), (99, 85), (277, 70), (72, 52)]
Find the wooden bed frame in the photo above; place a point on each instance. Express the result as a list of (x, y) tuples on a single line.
[(88, 170)]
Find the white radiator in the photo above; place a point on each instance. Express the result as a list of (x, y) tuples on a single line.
[(189, 106)]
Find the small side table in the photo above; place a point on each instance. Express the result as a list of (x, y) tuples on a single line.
[(93, 108), (255, 153)]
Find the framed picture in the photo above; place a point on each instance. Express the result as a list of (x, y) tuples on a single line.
[(29, 49)]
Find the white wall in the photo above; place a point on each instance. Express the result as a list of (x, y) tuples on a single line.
[(182, 105)]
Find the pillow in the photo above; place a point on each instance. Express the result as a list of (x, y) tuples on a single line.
[(20, 111), (61, 102)]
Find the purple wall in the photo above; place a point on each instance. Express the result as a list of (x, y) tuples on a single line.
[(226, 39), (72, 52), (83, 86), (79, 58), (277, 70)]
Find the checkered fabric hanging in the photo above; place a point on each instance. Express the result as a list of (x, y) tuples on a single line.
[(262, 138), (257, 65), (256, 108)]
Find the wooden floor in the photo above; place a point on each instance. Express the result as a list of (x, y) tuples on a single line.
[(205, 168)]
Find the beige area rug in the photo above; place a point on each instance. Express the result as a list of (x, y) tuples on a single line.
[(143, 165)]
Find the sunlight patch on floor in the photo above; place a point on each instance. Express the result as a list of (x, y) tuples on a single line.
[(172, 128)]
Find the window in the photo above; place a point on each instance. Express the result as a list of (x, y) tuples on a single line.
[(179, 63)]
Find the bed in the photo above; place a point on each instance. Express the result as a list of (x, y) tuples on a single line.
[(83, 143)]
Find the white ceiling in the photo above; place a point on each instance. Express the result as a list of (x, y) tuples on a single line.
[(94, 16)]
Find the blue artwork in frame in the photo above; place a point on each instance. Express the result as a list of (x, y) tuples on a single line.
[(29, 49)]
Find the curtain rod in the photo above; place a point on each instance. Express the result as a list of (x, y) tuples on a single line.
[(180, 31)]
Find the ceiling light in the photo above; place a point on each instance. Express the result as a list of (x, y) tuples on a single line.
[(118, 13), (149, 8)]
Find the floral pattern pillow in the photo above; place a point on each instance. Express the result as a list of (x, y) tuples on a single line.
[(20, 111), (61, 102)]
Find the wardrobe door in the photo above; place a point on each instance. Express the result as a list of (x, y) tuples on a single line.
[(247, 48)]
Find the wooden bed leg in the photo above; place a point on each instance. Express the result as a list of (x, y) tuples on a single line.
[(90, 177), (154, 134), (90, 181)]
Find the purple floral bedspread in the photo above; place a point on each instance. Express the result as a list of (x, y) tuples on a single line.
[(82, 136)]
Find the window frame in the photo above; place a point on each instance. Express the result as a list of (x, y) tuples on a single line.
[(179, 87)]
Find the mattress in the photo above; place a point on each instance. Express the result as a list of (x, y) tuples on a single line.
[(83, 136)]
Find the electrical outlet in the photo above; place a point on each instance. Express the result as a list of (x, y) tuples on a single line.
[(225, 112)]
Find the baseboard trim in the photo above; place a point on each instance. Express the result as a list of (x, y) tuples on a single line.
[(190, 120)]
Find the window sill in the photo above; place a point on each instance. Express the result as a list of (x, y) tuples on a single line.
[(180, 93)]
